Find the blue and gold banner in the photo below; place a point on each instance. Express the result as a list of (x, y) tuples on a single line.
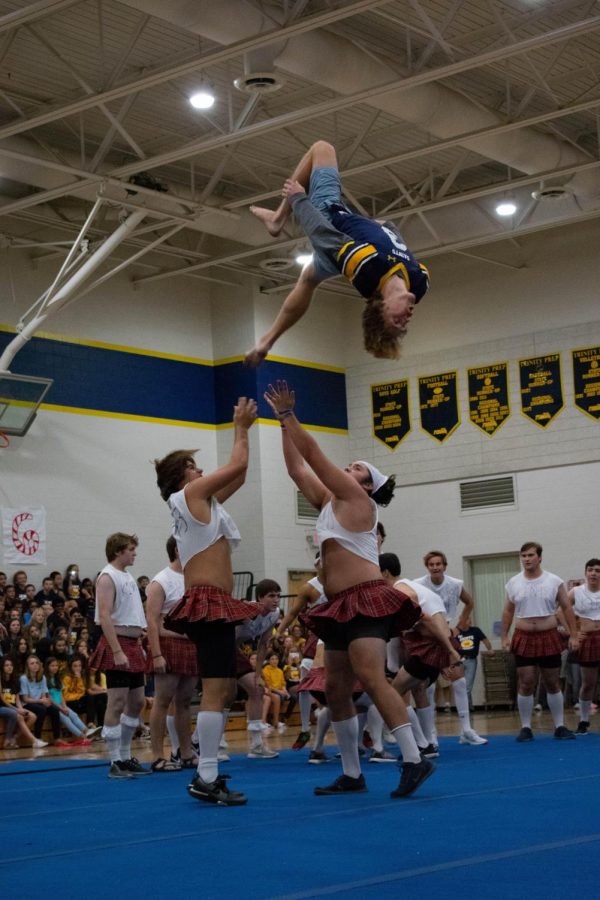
[(391, 414), (586, 381), (438, 404), (488, 396), (541, 388)]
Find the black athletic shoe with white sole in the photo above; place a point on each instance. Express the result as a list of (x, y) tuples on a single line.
[(216, 792), (133, 766), (563, 734), (583, 728)]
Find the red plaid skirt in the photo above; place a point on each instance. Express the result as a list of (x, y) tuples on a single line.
[(180, 656), (204, 602), (310, 647), (536, 643), (429, 651), (103, 660), (589, 648), (315, 681), (373, 599)]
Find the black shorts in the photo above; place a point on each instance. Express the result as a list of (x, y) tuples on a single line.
[(216, 648), (544, 662), (341, 634), (419, 669), (119, 678)]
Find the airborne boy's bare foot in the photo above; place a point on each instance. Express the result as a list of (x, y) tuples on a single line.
[(271, 219)]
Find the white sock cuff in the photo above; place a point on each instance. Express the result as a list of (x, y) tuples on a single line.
[(129, 720)]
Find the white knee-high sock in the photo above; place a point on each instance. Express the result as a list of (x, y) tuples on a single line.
[(173, 736), (461, 701), (346, 733), (406, 743), (112, 736), (223, 742), (362, 721), (323, 723), (255, 732), (525, 705), (210, 730), (426, 717), (416, 728), (128, 727), (305, 703), (556, 705), (375, 725), (585, 707)]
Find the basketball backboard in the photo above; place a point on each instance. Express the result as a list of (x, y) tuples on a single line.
[(20, 397)]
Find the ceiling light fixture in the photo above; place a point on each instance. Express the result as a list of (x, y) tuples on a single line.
[(506, 207), (203, 99)]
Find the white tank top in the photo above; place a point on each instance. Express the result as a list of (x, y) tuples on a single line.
[(173, 585), (449, 591), (429, 602), (127, 609), (193, 536), (533, 596), (361, 543), (316, 584), (587, 603)]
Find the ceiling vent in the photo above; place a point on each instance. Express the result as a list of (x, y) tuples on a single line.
[(276, 264), (555, 192), (488, 493), (305, 511), (259, 83)]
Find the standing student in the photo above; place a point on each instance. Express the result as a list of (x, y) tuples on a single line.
[(585, 599), (119, 653), (471, 639), (532, 599), (207, 614), (362, 611)]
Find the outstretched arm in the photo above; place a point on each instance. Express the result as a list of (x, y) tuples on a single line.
[(294, 307), (332, 479)]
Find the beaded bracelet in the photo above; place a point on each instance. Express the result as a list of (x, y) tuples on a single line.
[(285, 413)]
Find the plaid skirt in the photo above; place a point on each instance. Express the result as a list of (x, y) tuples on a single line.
[(103, 660), (372, 599), (589, 648), (206, 603), (536, 644), (180, 656), (310, 647), (429, 651)]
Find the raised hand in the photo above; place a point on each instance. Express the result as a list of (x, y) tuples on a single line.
[(244, 412), (280, 398)]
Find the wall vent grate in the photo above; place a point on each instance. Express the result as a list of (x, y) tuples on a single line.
[(487, 493), (305, 511)]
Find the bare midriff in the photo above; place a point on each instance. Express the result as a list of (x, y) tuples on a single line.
[(343, 569), (587, 625), (536, 623), (211, 567)]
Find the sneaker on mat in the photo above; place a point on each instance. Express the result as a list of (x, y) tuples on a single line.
[(343, 785), (471, 737), (430, 751), (382, 756), (583, 728), (301, 741), (563, 734), (118, 770), (133, 765), (317, 757), (525, 735), (413, 775), (261, 753), (216, 792)]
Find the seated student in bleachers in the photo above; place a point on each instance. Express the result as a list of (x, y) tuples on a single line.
[(19, 654), (17, 718), (38, 618), (275, 683), (33, 690), (59, 649), (68, 717), (96, 693), (14, 632)]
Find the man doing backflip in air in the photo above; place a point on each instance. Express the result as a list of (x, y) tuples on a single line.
[(371, 255)]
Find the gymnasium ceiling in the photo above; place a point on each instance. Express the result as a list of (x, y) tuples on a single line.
[(438, 109)]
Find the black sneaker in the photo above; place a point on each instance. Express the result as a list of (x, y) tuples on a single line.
[(583, 728), (563, 734), (429, 752), (413, 775), (133, 765), (118, 769), (525, 735), (317, 757), (216, 792), (343, 785), (301, 741)]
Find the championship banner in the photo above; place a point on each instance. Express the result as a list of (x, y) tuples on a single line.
[(438, 404), (586, 381), (488, 396), (24, 536), (541, 388), (391, 415)]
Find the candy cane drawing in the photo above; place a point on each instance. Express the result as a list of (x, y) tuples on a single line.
[(27, 541)]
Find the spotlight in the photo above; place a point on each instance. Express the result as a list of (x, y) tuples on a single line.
[(506, 207), (203, 99), (304, 258)]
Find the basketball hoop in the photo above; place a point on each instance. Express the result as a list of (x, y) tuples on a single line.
[(4, 441)]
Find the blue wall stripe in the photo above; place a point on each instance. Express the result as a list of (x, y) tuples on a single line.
[(106, 380)]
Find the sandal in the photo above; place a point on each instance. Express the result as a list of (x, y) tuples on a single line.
[(190, 763), (164, 765)]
